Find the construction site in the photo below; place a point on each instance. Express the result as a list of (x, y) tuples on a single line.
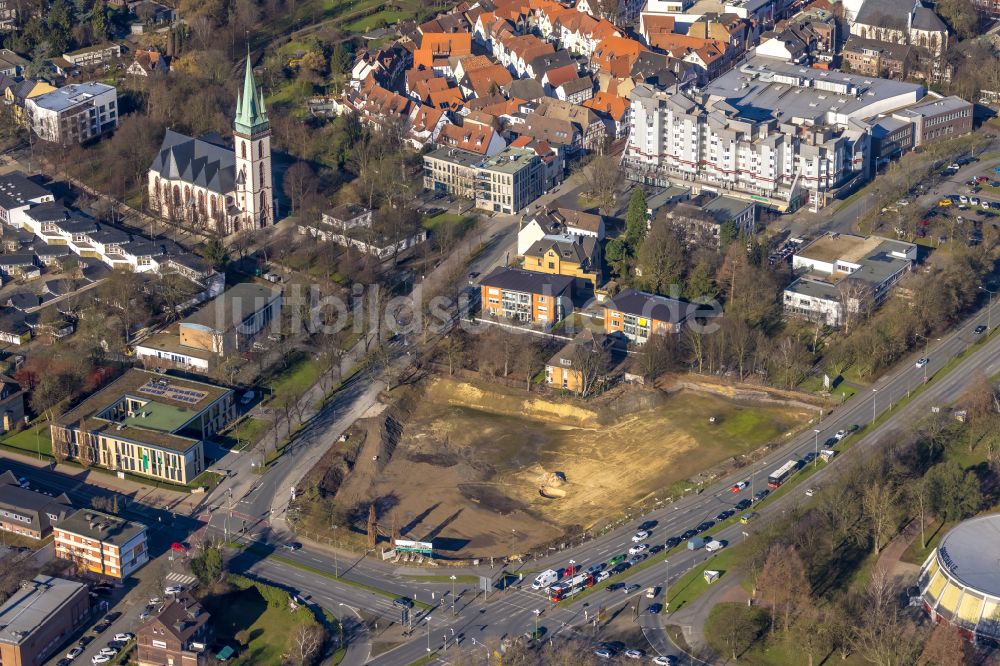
[(485, 470)]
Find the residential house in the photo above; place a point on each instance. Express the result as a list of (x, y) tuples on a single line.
[(525, 296), (578, 257), (638, 315), (593, 132), (616, 55), (438, 49), (479, 139), (27, 512), (17, 96), (871, 57), (581, 364), (553, 161), (178, 636), (425, 126), (562, 134), (147, 63), (101, 543), (701, 218), (613, 110), (558, 223), (11, 64), (576, 91)]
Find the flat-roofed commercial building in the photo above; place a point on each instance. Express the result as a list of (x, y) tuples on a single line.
[(102, 543), (146, 423), (225, 326), (74, 113), (509, 181), (39, 617), (842, 273)]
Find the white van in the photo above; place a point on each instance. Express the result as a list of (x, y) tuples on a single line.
[(713, 546), (544, 579)]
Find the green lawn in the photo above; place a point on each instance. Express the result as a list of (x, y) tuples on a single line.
[(692, 584), (430, 223), (262, 612), (31, 440), (388, 16), (248, 432), (297, 379)]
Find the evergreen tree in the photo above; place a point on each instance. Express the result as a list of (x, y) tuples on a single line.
[(635, 218)]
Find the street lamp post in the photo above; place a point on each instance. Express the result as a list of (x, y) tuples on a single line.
[(453, 594), (666, 588), (336, 563), (536, 613), (428, 621), (874, 393), (816, 447), (485, 647), (989, 309)]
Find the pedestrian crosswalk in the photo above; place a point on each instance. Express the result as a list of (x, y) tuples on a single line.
[(174, 578)]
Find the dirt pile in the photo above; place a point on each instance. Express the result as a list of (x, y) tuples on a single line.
[(552, 485)]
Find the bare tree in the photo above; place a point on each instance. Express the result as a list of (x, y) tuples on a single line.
[(305, 642), (590, 362), (856, 301), (783, 583), (451, 350), (603, 180), (879, 502), (880, 633)]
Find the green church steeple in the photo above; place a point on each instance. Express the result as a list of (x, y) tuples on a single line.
[(251, 116)]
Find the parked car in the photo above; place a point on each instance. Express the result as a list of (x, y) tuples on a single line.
[(100, 659), (665, 660), (74, 653), (124, 637), (635, 654), (173, 589), (603, 653), (101, 627)]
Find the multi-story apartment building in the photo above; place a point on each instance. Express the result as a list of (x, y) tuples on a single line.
[(74, 113), (566, 255), (93, 55), (27, 512), (504, 183), (777, 133), (841, 274), (509, 181), (526, 296), (17, 195), (101, 543), (638, 315), (145, 423), (39, 617), (178, 636)]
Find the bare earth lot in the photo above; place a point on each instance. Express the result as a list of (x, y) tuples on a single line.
[(473, 462)]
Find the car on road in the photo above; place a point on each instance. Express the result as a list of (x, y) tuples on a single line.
[(672, 542), (747, 517), (629, 588), (617, 559), (761, 495), (665, 660), (723, 515), (124, 637), (293, 546), (604, 575), (621, 567), (402, 602), (738, 487), (688, 534), (615, 586), (979, 330), (595, 569), (635, 559), (74, 653), (654, 609), (743, 504), (641, 535), (707, 525), (640, 548), (651, 592), (648, 524), (714, 545), (921, 362), (809, 457), (841, 434), (635, 654)]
